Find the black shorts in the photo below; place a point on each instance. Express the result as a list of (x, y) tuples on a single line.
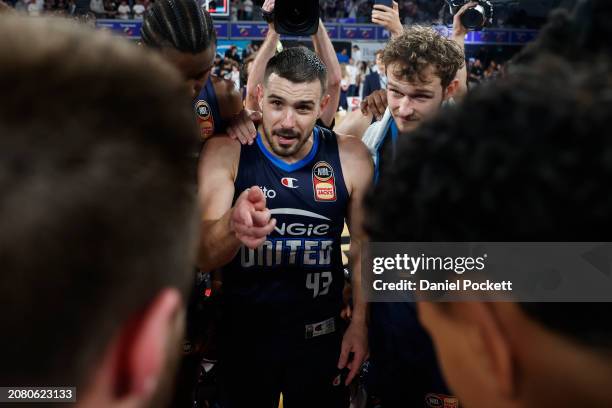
[(258, 364)]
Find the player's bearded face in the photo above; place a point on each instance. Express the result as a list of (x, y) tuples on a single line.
[(290, 111)]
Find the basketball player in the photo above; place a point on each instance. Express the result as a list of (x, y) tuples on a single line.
[(273, 214), (185, 35)]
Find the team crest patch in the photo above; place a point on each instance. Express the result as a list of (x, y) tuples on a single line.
[(441, 401), (205, 119), (323, 182)]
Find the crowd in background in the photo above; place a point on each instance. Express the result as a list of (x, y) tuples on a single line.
[(345, 11)]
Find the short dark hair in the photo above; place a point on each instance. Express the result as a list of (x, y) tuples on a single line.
[(297, 65), (98, 197), (419, 48), (179, 24), (522, 159)]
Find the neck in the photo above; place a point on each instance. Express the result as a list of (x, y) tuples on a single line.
[(299, 155)]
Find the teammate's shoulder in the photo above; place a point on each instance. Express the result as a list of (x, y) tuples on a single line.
[(353, 146), (221, 144)]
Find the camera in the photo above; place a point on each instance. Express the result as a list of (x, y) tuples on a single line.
[(294, 18), (474, 18)]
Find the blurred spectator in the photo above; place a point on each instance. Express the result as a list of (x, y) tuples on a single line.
[(376, 79), (362, 71), (21, 5), (111, 8), (330, 8), (356, 54), (476, 71), (123, 10), (352, 71), (34, 8), (217, 65), (48, 6), (351, 9), (364, 11), (343, 57), (344, 86), (97, 7), (248, 9), (232, 53), (138, 10), (250, 49), (235, 76), (412, 14), (234, 10)]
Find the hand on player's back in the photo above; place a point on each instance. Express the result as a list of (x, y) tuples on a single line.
[(251, 221), (376, 104), (243, 126)]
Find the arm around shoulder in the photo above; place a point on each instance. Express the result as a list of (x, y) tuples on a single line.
[(217, 171)]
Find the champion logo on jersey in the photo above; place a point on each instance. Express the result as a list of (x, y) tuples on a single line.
[(323, 182), (289, 182)]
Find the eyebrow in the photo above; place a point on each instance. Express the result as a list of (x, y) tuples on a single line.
[(302, 102), (417, 90)]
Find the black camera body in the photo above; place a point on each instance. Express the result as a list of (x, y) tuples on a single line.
[(299, 18), (474, 18)]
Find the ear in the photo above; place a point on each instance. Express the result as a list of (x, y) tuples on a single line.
[(451, 89), (260, 96), (323, 104), (144, 346), (488, 338)]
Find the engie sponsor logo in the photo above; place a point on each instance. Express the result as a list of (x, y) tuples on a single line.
[(268, 192)]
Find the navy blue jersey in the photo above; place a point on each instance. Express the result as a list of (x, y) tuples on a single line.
[(297, 274), (207, 111)]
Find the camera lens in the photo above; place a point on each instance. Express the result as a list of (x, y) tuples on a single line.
[(299, 18), (474, 18)]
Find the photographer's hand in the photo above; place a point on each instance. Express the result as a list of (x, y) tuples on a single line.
[(268, 8), (459, 33), (459, 30), (388, 17)]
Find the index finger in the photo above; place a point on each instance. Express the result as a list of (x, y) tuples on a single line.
[(354, 366)]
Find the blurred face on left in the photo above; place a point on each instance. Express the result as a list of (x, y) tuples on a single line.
[(290, 111), (195, 68), (412, 102)]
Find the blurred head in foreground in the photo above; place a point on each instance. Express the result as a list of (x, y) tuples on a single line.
[(97, 213), (525, 159)]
